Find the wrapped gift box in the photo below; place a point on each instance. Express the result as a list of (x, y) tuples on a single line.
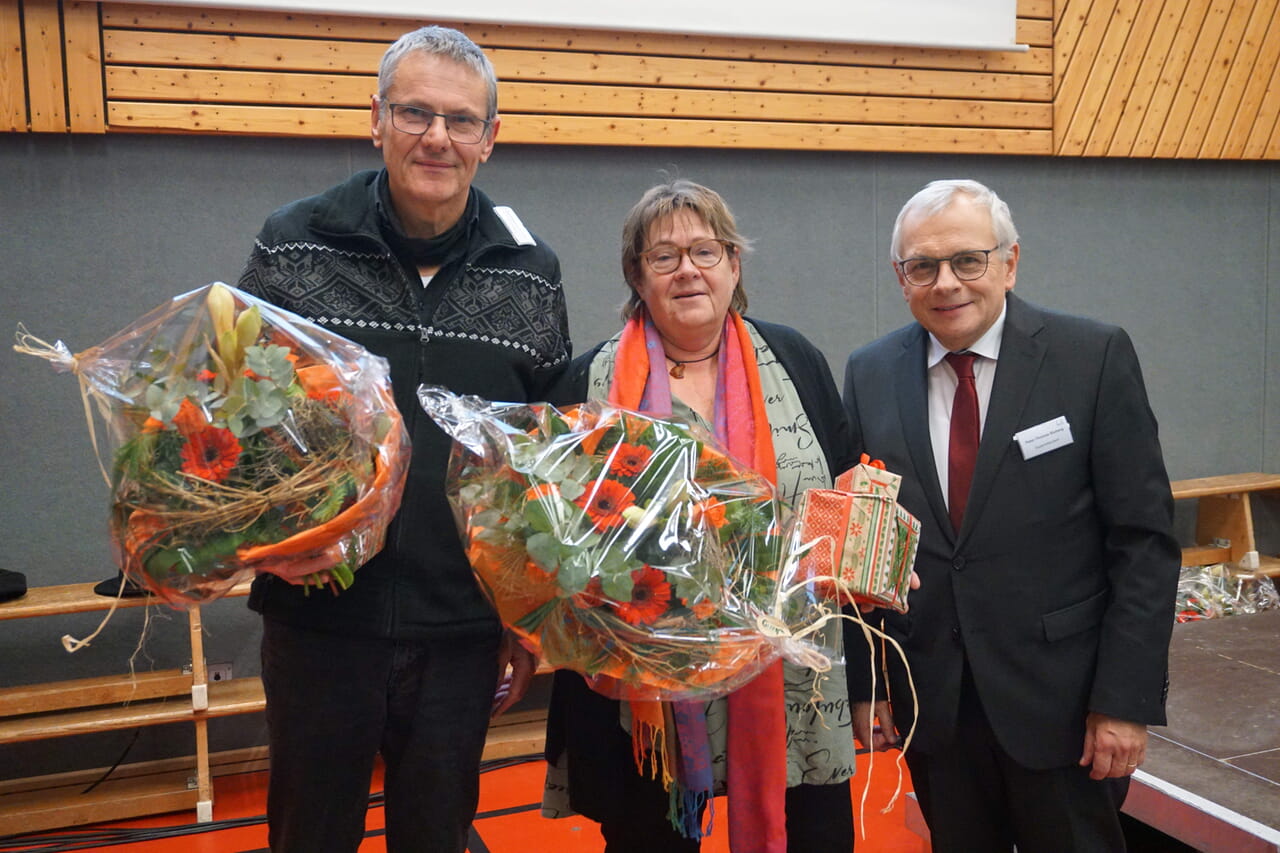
[(857, 541)]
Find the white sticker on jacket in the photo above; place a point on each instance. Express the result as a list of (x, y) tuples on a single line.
[(1041, 438)]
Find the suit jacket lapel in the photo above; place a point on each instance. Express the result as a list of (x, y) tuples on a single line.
[(1021, 355), (912, 382)]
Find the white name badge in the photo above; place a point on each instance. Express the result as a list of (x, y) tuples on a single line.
[(1044, 437)]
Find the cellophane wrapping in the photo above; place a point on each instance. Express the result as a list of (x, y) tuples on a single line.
[(242, 439), (1215, 591), (628, 548)]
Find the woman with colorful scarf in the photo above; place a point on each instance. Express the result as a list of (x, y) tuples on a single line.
[(781, 747)]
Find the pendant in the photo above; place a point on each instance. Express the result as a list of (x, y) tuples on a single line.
[(677, 371)]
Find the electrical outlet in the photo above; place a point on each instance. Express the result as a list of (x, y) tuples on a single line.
[(218, 672)]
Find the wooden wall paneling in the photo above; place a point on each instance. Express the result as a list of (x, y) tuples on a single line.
[(46, 86), (1249, 63), (382, 32), (1265, 133), (1194, 76), (1166, 86), (1035, 9), (126, 83), (559, 99), (266, 88), (1072, 81), (13, 75), (1069, 22), (1147, 77), (768, 76), (222, 51), (1137, 50), (1083, 120), (83, 50), (260, 121), (586, 130), (1259, 95), (1210, 95)]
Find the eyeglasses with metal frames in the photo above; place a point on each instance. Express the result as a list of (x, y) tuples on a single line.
[(704, 254), (966, 266), (416, 121)]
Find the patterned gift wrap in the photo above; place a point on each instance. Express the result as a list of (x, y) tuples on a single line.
[(866, 542)]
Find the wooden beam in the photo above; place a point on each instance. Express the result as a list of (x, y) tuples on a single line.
[(384, 31), (130, 83), (1238, 95), (1086, 90), (13, 75), (1165, 89), (1138, 49), (83, 48), (1260, 93), (335, 57), (46, 87), (1146, 80), (616, 69), (1218, 65), (586, 130)]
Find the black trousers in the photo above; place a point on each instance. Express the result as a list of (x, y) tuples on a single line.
[(819, 820), (977, 799), (335, 702)]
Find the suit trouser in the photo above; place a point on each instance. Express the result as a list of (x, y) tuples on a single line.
[(976, 798), (819, 820), (335, 702)]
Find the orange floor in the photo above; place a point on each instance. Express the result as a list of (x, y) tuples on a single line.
[(508, 821)]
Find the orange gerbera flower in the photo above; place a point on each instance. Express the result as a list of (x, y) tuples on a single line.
[(190, 418), (629, 459), (141, 530), (650, 597), (605, 503), (210, 453), (711, 511), (704, 609), (541, 490), (712, 464)]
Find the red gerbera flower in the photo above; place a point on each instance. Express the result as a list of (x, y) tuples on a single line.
[(650, 597), (210, 453), (605, 503), (629, 459)]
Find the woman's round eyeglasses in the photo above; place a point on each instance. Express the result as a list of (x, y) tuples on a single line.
[(704, 254)]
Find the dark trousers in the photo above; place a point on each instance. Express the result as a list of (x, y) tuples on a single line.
[(819, 820), (977, 799), (335, 702)]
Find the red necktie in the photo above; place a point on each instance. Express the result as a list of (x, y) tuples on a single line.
[(962, 450)]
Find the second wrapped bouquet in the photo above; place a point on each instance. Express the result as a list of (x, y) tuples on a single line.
[(625, 547)]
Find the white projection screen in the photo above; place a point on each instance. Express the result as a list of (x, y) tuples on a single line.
[(964, 24)]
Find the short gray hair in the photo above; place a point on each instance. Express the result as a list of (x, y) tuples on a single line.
[(937, 196), (445, 42)]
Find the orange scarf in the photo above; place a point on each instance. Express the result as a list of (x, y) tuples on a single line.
[(757, 742)]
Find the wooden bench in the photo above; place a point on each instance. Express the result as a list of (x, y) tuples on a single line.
[(1224, 522), (34, 712)]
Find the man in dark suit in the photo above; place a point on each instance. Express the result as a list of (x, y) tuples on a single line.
[(1038, 639)]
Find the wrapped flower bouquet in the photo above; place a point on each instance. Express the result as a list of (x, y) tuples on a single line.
[(628, 548), (244, 439)]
